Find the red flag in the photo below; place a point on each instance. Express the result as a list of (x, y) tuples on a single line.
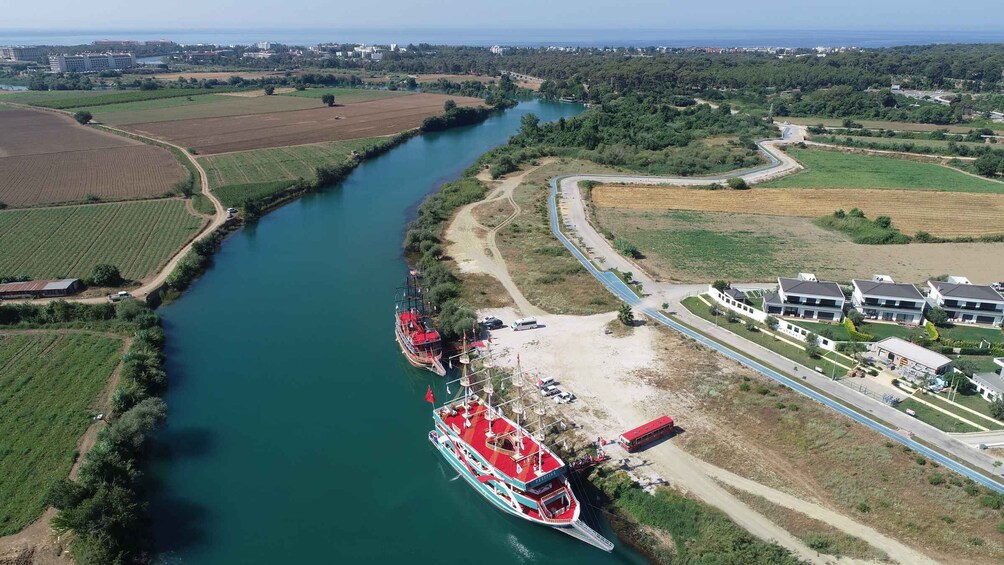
[(429, 397)]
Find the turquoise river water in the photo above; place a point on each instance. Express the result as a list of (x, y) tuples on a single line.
[(297, 431)]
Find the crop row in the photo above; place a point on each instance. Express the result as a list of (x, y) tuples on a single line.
[(69, 99), (48, 401), (136, 237)]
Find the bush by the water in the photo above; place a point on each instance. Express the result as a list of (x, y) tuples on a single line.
[(700, 533)]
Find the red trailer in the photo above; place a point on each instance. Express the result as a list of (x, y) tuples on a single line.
[(645, 434)]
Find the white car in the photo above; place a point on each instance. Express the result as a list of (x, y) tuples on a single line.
[(564, 398), (231, 210), (119, 296), (550, 390)]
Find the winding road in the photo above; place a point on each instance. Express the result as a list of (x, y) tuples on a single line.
[(569, 221)]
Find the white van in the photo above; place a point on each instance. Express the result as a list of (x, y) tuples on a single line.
[(524, 324), (546, 382)]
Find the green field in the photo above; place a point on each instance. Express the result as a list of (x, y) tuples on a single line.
[(347, 95), (972, 333), (939, 420), (238, 195), (880, 124), (202, 204), (882, 331), (49, 385), (137, 237), (836, 332), (280, 163), (835, 169), (702, 310), (65, 99), (194, 107)]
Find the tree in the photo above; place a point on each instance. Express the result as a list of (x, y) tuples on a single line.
[(856, 317), (449, 106), (720, 285), (772, 323), (812, 345), (997, 408), (106, 275), (269, 90), (83, 117), (625, 315), (529, 126), (625, 247), (937, 316), (737, 183), (328, 99)]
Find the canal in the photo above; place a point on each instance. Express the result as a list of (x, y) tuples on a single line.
[(297, 432)]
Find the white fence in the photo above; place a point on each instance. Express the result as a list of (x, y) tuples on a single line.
[(783, 326)]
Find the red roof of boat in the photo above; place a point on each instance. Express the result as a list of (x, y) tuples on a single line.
[(474, 436), (660, 422), (412, 324)]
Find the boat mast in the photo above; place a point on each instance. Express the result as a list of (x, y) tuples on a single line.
[(488, 389), (465, 381), (518, 408)]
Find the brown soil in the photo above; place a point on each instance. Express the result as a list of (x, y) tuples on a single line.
[(910, 210), (47, 158), (279, 129)]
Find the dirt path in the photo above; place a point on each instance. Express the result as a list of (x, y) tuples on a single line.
[(473, 246), (607, 375)]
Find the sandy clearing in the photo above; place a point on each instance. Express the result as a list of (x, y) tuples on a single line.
[(910, 210), (607, 373), (472, 244)]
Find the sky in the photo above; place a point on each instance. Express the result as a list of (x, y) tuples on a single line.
[(977, 15)]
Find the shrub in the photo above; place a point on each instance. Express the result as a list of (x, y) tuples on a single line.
[(751, 326), (920, 460), (720, 285), (864, 508), (994, 501), (737, 183), (731, 317), (932, 331), (745, 387), (625, 247), (936, 479), (83, 117), (106, 275), (625, 314), (937, 316), (772, 323), (997, 408)]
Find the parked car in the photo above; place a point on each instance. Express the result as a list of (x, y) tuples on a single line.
[(525, 324), (550, 390), (118, 296), (231, 210), (546, 382), (491, 323), (564, 398)]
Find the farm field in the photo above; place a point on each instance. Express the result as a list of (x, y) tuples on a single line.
[(348, 95), (137, 237), (49, 386), (279, 163), (48, 158), (280, 129), (700, 247), (910, 210), (194, 107), (936, 146), (65, 99), (836, 169), (878, 124)]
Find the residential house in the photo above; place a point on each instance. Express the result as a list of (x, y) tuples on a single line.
[(806, 297), (884, 299), (736, 294), (966, 302), (990, 385)]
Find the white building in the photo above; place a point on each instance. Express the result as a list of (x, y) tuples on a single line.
[(806, 297), (264, 45), (990, 385), (910, 360), (884, 299), (966, 302), (19, 53), (90, 62), (499, 50)]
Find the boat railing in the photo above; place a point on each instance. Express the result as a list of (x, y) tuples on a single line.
[(598, 538)]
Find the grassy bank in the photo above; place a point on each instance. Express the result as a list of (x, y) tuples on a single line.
[(696, 533)]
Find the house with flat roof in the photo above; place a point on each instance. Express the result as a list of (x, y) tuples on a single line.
[(990, 385), (966, 302), (884, 299), (910, 360), (805, 297)]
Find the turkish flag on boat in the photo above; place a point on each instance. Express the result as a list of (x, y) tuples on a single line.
[(429, 397)]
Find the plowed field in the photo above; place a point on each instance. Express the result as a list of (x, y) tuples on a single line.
[(279, 129), (946, 214), (48, 158)]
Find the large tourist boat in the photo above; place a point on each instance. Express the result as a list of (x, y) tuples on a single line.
[(503, 461), (418, 337)]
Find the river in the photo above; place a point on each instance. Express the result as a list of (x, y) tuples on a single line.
[(297, 431)]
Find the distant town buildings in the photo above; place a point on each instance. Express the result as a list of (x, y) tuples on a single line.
[(20, 53), (499, 50), (264, 45), (259, 55), (90, 62)]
